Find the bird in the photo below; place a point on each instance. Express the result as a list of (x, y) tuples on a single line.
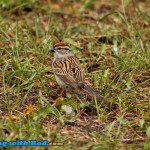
[(68, 70)]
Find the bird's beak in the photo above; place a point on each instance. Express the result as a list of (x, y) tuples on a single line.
[(51, 50)]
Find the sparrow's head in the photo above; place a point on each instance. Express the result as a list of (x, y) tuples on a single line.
[(61, 49)]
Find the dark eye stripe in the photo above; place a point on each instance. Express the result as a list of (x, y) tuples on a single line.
[(63, 48)]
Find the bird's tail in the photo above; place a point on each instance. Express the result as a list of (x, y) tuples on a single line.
[(92, 92)]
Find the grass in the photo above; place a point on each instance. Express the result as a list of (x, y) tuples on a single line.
[(112, 42)]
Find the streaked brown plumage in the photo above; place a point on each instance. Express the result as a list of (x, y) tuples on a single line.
[(68, 71)]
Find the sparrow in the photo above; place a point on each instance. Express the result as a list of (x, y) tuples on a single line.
[(68, 71)]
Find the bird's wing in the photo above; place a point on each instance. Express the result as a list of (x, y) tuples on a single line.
[(69, 71), (66, 78)]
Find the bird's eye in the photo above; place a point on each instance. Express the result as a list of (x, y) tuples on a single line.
[(59, 48)]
